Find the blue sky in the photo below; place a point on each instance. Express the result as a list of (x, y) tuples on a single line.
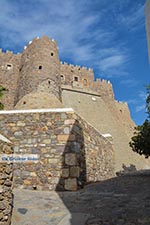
[(106, 35)]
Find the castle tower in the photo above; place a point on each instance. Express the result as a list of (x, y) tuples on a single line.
[(40, 69)]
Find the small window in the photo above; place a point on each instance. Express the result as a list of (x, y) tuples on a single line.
[(49, 82), (62, 77), (9, 66), (76, 79), (52, 53), (85, 82), (40, 67)]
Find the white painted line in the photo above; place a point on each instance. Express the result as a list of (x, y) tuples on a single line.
[(36, 110)]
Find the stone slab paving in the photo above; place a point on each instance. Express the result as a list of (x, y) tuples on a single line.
[(123, 200)]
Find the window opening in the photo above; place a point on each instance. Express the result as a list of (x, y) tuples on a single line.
[(40, 67), (85, 82), (62, 77), (76, 79), (9, 66)]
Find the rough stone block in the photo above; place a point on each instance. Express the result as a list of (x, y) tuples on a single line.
[(53, 161), (66, 137), (70, 159), (18, 133), (27, 182), (74, 171), (66, 130), (71, 184), (69, 122), (20, 124), (47, 141), (65, 172)]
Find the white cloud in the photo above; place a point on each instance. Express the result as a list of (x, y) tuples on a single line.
[(133, 19), (140, 108), (111, 62), (130, 82), (83, 35)]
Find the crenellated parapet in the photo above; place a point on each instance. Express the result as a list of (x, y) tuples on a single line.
[(83, 78), (103, 87), (38, 69), (76, 75)]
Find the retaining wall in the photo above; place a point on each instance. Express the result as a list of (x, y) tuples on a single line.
[(6, 196), (70, 151)]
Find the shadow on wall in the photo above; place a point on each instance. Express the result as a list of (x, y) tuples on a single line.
[(74, 171), (74, 174)]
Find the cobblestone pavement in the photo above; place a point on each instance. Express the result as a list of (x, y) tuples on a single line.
[(123, 200)]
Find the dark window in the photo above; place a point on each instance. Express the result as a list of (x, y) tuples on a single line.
[(76, 79), (62, 77), (49, 82), (9, 66), (85, 82), (40, 67), (24, 102), (52, 53)]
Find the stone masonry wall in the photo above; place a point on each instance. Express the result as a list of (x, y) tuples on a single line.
[(71, 152), (6, 197), (9, 75), (38, 69)]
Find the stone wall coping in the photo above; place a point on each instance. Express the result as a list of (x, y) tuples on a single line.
[(107, 135), (4, 139), (80, 90), (36, 111)]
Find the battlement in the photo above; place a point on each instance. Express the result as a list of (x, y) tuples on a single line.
[(44, 40), (83, 78), (38, 68)]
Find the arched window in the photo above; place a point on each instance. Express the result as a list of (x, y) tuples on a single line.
[(40, 67)]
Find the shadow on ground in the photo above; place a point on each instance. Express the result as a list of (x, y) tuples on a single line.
[(123, 200)]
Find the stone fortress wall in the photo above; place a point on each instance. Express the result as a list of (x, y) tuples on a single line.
[(6, 177), (37, 79), (68, 152), (39, 68)]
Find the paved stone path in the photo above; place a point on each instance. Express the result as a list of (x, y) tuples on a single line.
[(123, 200)]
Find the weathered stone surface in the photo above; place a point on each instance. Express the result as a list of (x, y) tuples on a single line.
[(70, 159), (6, 197), (74, 171), (65, 137), (65, 173), (47, 141), (71, 184), (63, 147)]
